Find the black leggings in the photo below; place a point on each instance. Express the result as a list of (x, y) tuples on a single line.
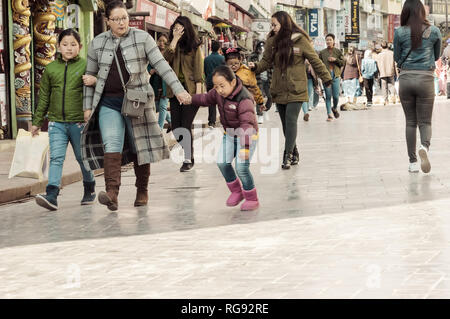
[(289, 116), (183, 117)]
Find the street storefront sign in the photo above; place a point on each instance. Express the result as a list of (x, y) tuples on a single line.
[(355, 17), (300, 18), (340, 25), (159, 15), (320, 43), (352, 38), (261, 26), (313, 18), (137, 23)]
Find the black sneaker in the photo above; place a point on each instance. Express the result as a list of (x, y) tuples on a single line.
[(295, 156), (187, 166), (169, 128), (335, 112), (287, 158)]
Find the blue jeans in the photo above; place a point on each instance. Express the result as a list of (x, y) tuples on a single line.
[(60, 134), (161, 106), (310, 103), (230, 149), (112, 128), (332, 92)]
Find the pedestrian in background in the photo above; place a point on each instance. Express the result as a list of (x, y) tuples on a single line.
[(61, 98), (287, 47), (233, 59), (334, 61), (351, 75), (237, 115), (264, 78), (210, 63), (160, 88), (417, 46), (387, 69), (185, 56), (368, 69), (312, 83), (111, 139)]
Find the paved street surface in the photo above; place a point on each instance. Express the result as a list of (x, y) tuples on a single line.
[(348, 222)]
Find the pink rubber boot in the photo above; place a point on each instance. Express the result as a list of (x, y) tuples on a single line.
[(251, 200), (236, 193)]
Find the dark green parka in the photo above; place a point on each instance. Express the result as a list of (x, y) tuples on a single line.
[(291, 85)]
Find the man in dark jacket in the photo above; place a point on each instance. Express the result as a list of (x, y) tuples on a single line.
[(210, 63)]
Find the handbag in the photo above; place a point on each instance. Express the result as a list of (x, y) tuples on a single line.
[(134, 101)]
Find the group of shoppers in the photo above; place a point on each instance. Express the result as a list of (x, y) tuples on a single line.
[(102, 137)]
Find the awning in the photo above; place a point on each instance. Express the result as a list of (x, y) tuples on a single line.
[(198, 21)]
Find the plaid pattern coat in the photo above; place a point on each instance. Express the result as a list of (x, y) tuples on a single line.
[(138, 50)]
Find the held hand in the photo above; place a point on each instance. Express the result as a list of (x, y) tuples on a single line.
[(152, 71), (89, 80), (244, 154), (331, 59), (35, 130), (184, 98), (87, 115)]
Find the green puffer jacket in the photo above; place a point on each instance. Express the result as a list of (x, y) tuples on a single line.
[(61, 92), (291, 85)]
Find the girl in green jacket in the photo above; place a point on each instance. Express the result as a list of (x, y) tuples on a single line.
[(61, 99)]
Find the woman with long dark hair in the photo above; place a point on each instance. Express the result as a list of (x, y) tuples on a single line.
[(287, 47), (186, 59), (417, 45)]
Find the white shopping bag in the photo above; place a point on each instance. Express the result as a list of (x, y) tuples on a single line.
[(396, 85), (30, 156)]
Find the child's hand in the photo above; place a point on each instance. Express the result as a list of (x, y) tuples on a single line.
[(89, 80), (87, 115), (152, 71), (35, 130), (244, 154)]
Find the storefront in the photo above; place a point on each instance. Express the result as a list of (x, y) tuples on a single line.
[(159, 19), (5, 127)]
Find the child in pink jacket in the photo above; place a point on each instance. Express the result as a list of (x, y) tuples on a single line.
[(237, 115)]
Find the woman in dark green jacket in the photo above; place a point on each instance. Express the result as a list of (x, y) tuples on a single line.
[(287, 47), (61, 99)]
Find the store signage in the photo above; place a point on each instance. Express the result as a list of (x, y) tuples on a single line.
[(159, 15), (137, 23), (354, 10), (300, 18), (313, 18), (261, 26)]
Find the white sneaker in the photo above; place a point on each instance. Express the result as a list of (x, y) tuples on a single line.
[(424, 162), (413, 167), (260, 119)]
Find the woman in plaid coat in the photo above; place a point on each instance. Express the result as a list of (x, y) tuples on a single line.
[(110, 139)]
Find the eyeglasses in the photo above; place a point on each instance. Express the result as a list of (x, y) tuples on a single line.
[(234, 64), (119, 20)]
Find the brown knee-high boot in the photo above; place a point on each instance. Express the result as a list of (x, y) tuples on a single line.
[(112, 163), (142, 173)]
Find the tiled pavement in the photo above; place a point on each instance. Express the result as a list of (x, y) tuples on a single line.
[(348, 222)]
